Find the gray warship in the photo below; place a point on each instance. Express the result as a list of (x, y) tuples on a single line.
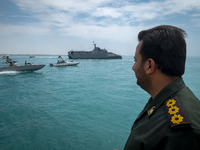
[(96, 53)]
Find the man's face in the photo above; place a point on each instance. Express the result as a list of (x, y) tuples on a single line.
[(138, 67)]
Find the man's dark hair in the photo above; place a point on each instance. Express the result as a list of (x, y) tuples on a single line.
[(166, 46)]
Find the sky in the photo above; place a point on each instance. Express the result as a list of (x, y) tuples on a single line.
[(55, 27)]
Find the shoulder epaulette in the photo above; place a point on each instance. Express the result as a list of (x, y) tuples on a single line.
[(175, 112)]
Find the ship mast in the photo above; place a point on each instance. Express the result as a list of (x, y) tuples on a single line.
[(94, 45)]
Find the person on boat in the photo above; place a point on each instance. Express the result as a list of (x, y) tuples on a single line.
[(26, 63), (11, 64), (170, 119), (8, 59), (60, 61)]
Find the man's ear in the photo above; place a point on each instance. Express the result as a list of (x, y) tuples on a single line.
[(150, 66)]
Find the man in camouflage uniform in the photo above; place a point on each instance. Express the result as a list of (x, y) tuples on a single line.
[(171, 118)]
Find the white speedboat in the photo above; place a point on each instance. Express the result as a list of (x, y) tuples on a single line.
[(64, 64), (22, 68), (61, 63)]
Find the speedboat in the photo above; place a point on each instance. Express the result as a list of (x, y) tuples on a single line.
[(61, 63), (64, 64), (30, 67)]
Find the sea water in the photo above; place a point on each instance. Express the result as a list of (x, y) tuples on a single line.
[(91, 106)]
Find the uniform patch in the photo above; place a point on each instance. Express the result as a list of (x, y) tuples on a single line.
[(175, 112)]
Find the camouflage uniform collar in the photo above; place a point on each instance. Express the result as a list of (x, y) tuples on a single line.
[(164, 94)]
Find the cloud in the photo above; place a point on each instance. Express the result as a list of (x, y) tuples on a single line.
[(10, 30), (116, 33), (107, 12), (103, 12), (107, 20)]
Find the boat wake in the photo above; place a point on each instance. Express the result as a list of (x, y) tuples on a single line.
[(9, 72)]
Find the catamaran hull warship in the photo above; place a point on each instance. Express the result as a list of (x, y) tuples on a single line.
[(96, 53)]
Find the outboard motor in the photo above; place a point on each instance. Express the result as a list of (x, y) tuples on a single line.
[(51, 65)]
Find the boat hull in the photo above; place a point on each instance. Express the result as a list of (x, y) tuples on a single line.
[(22, 68), (65, 64)]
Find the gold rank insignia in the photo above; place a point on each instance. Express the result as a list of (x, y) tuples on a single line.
[(150, 111), (175, 112)]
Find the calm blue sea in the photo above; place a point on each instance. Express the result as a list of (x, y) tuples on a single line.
[(87, 107)]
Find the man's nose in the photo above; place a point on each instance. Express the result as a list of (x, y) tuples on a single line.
[(133, 68)]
